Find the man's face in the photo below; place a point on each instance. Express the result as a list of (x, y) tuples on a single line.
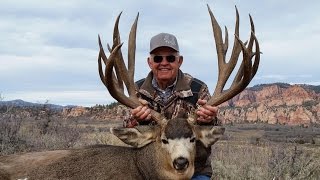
[(165, 71)]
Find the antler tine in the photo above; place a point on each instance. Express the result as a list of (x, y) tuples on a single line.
[(246, 71), (123, 75), (116, 41), (109, 48), (103, 57), (225, 68), (132, 54), (116, 33), (121, 70), (256, 54), (115, 93)]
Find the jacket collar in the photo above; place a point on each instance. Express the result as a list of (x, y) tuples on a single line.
[(182, 88)]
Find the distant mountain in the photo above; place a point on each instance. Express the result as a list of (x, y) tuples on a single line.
[(21, 103)]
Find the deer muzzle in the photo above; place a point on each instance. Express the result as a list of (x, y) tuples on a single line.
[(181, 163)]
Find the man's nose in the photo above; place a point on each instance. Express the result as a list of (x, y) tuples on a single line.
[(164, 60)]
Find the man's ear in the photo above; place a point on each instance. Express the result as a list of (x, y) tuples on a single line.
[(180, 60), (134, 137), (149, 62), (208, 135)]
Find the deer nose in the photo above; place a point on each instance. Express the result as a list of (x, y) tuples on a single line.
[(180, 163)]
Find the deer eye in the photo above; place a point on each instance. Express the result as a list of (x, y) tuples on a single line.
[(193, 139), (164, 141)]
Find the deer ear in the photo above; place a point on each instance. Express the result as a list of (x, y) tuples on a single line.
[(134, 137), (208, 135)]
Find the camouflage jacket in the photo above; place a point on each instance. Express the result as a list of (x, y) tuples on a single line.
[(182, 101)]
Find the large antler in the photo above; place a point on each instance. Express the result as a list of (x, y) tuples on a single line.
[(247, 69), (116, 74)]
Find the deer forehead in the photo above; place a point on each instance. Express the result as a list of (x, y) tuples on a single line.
[(180, 147), (178, 128)]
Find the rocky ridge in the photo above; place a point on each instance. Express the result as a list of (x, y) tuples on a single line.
[(277, 103)]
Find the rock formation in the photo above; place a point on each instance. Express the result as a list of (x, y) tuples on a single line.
[(274, 103)]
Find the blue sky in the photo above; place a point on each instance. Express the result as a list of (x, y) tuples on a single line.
[(48, 49)]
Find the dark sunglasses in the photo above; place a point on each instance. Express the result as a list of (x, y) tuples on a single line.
[(170, 58)]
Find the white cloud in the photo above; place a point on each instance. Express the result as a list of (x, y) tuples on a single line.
[(50, 47)]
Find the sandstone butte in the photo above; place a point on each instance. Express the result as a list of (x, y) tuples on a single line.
[(274, 104)]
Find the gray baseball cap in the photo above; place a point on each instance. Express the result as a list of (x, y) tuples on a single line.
[(164, 40)]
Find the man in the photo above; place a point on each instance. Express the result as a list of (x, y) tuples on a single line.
[(174, 93)]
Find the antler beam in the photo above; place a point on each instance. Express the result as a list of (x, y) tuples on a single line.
[(115, 73), (246, 71)]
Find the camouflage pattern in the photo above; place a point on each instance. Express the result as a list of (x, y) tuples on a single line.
[(176, 104)]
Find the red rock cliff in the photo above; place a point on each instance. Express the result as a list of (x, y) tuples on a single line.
[(274, 103)]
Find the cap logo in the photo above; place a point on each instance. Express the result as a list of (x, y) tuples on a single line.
[(169, 40)]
